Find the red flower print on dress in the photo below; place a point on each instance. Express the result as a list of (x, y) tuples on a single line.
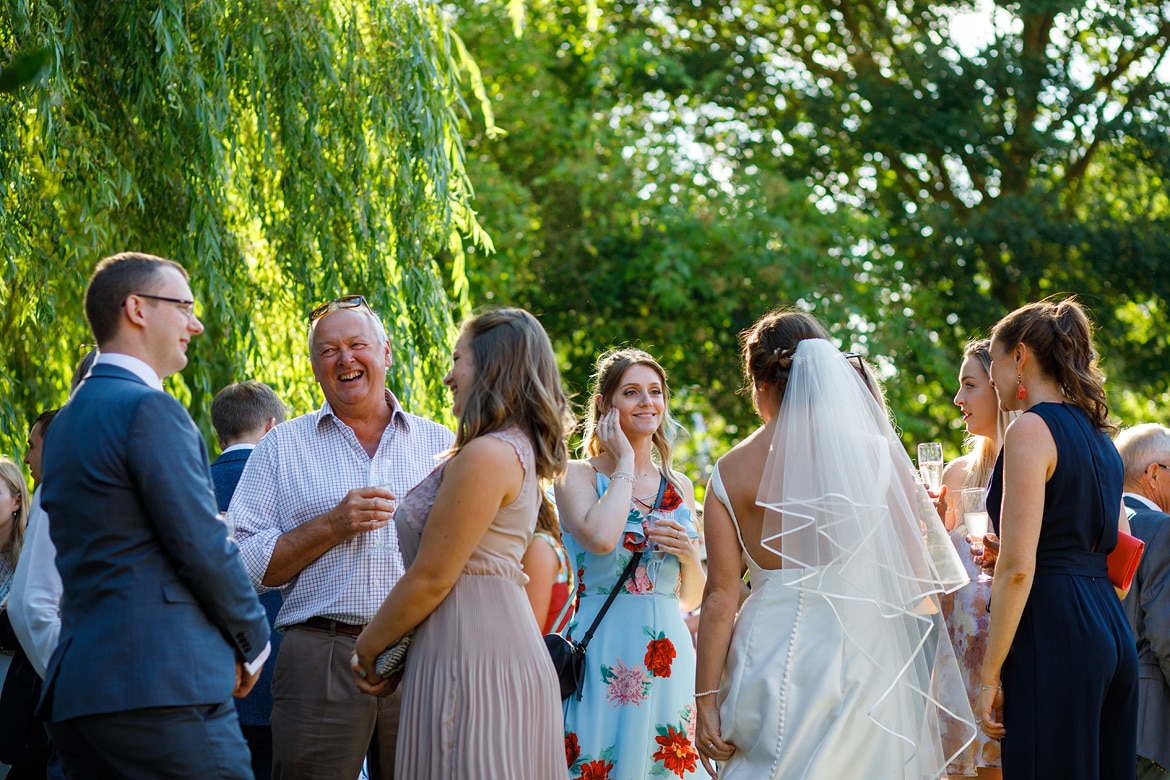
[(596, 770), (660, 655), (630, 542), (572, 748), (671, 500), (580, 581), (675, 751), (626, 685), (639, 582)]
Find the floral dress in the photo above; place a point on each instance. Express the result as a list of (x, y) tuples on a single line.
[(636, 718), (968, 621)]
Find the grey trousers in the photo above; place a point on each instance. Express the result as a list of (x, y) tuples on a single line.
[(322, 725)]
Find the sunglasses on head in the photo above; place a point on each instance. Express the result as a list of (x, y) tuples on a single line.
[(344, 302)]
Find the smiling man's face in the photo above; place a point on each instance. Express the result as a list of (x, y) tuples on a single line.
[(350, 361)]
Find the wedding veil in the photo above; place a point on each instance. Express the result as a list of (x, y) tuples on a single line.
[(842, 502)]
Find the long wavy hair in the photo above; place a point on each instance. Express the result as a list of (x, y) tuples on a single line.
[(12, 478), (516, 383), (607, 377), (1060, 335), (984, 449)]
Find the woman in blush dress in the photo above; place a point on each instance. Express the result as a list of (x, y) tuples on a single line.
[(1058, 685), (635, 718), (480, 697), (837, 666), (965, 610)]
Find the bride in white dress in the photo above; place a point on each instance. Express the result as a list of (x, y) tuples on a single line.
[(837, 664)]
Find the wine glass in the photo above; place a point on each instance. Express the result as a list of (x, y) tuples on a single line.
[(973, 502), (930, 464)]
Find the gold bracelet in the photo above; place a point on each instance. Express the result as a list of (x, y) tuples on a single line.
[(706, 693)]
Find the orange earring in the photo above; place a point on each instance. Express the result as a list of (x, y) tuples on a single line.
[(1021, 391)]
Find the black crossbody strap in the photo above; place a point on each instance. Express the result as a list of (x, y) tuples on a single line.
[(622, 579)]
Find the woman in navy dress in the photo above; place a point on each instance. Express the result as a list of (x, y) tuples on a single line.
[(1058, 684)]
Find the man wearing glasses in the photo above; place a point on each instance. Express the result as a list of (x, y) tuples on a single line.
[(160, 626), (1145, 451), (312, 514)]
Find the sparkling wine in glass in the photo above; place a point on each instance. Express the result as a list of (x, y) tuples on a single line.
[(974, 506), (930, 464)]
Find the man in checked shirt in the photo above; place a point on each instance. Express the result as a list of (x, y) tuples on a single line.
[(313, 515)]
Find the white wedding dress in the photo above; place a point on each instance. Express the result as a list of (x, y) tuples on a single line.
[(839, 666)]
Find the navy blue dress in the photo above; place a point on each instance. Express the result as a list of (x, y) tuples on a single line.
[(1070, 678)]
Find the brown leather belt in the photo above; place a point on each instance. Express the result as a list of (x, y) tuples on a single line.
[(334, 626)]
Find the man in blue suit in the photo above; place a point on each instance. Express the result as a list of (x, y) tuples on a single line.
[(160, 626), (1145, 451), (241, 414)]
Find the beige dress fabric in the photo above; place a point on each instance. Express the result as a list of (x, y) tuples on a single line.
[(480, 698)]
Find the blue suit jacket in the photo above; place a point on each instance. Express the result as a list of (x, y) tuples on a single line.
[(255, 709), (156, 607), (1148, 608)]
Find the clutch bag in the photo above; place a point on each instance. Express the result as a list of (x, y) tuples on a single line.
[(393, 659), (1124, 559)]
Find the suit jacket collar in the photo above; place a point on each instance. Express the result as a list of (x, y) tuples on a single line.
[(1136, 503), (234, 455), (134, 365)]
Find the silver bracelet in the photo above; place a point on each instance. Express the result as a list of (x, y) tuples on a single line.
[(990, 688), (706, 693), (623, 475)]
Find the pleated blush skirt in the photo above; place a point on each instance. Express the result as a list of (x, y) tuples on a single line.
[(479, 695)]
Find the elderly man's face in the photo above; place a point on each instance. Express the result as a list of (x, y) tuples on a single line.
[(349, 359)]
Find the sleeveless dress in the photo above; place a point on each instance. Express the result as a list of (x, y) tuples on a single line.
[(797, 693), (967, 621), (636, 718), (559, 609), (1070, 677), (480, 698)]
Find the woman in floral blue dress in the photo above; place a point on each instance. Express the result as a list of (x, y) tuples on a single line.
[(636, 716)]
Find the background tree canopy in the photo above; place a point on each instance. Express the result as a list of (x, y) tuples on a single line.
[(285, 153), (667, 171), (672, 169)]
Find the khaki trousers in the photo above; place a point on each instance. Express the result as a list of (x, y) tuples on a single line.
[(322, 725)]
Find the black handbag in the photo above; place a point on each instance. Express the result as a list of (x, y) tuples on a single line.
[(568, 657)]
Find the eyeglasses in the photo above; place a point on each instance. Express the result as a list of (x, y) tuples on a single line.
[(1162, 466), (856, 359), (187, 307), (344, 302)]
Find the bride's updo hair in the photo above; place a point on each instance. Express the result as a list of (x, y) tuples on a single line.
[(770, 344)]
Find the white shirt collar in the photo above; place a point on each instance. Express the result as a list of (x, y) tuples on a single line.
[(1142, 500), (132, 364), (241, 446)]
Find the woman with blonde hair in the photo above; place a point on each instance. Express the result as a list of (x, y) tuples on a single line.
[(626, 505), (965, 610), (13, 520), (479, 694), (1058, 685)]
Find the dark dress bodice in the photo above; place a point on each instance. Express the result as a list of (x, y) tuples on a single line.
[(1082, 500)]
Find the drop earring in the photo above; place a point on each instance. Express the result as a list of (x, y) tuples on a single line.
[(1021, 391)]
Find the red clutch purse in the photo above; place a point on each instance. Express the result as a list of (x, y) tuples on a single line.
[(1124, 559)]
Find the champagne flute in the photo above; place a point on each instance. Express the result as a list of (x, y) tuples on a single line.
[(930, 464), (973, 502)]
